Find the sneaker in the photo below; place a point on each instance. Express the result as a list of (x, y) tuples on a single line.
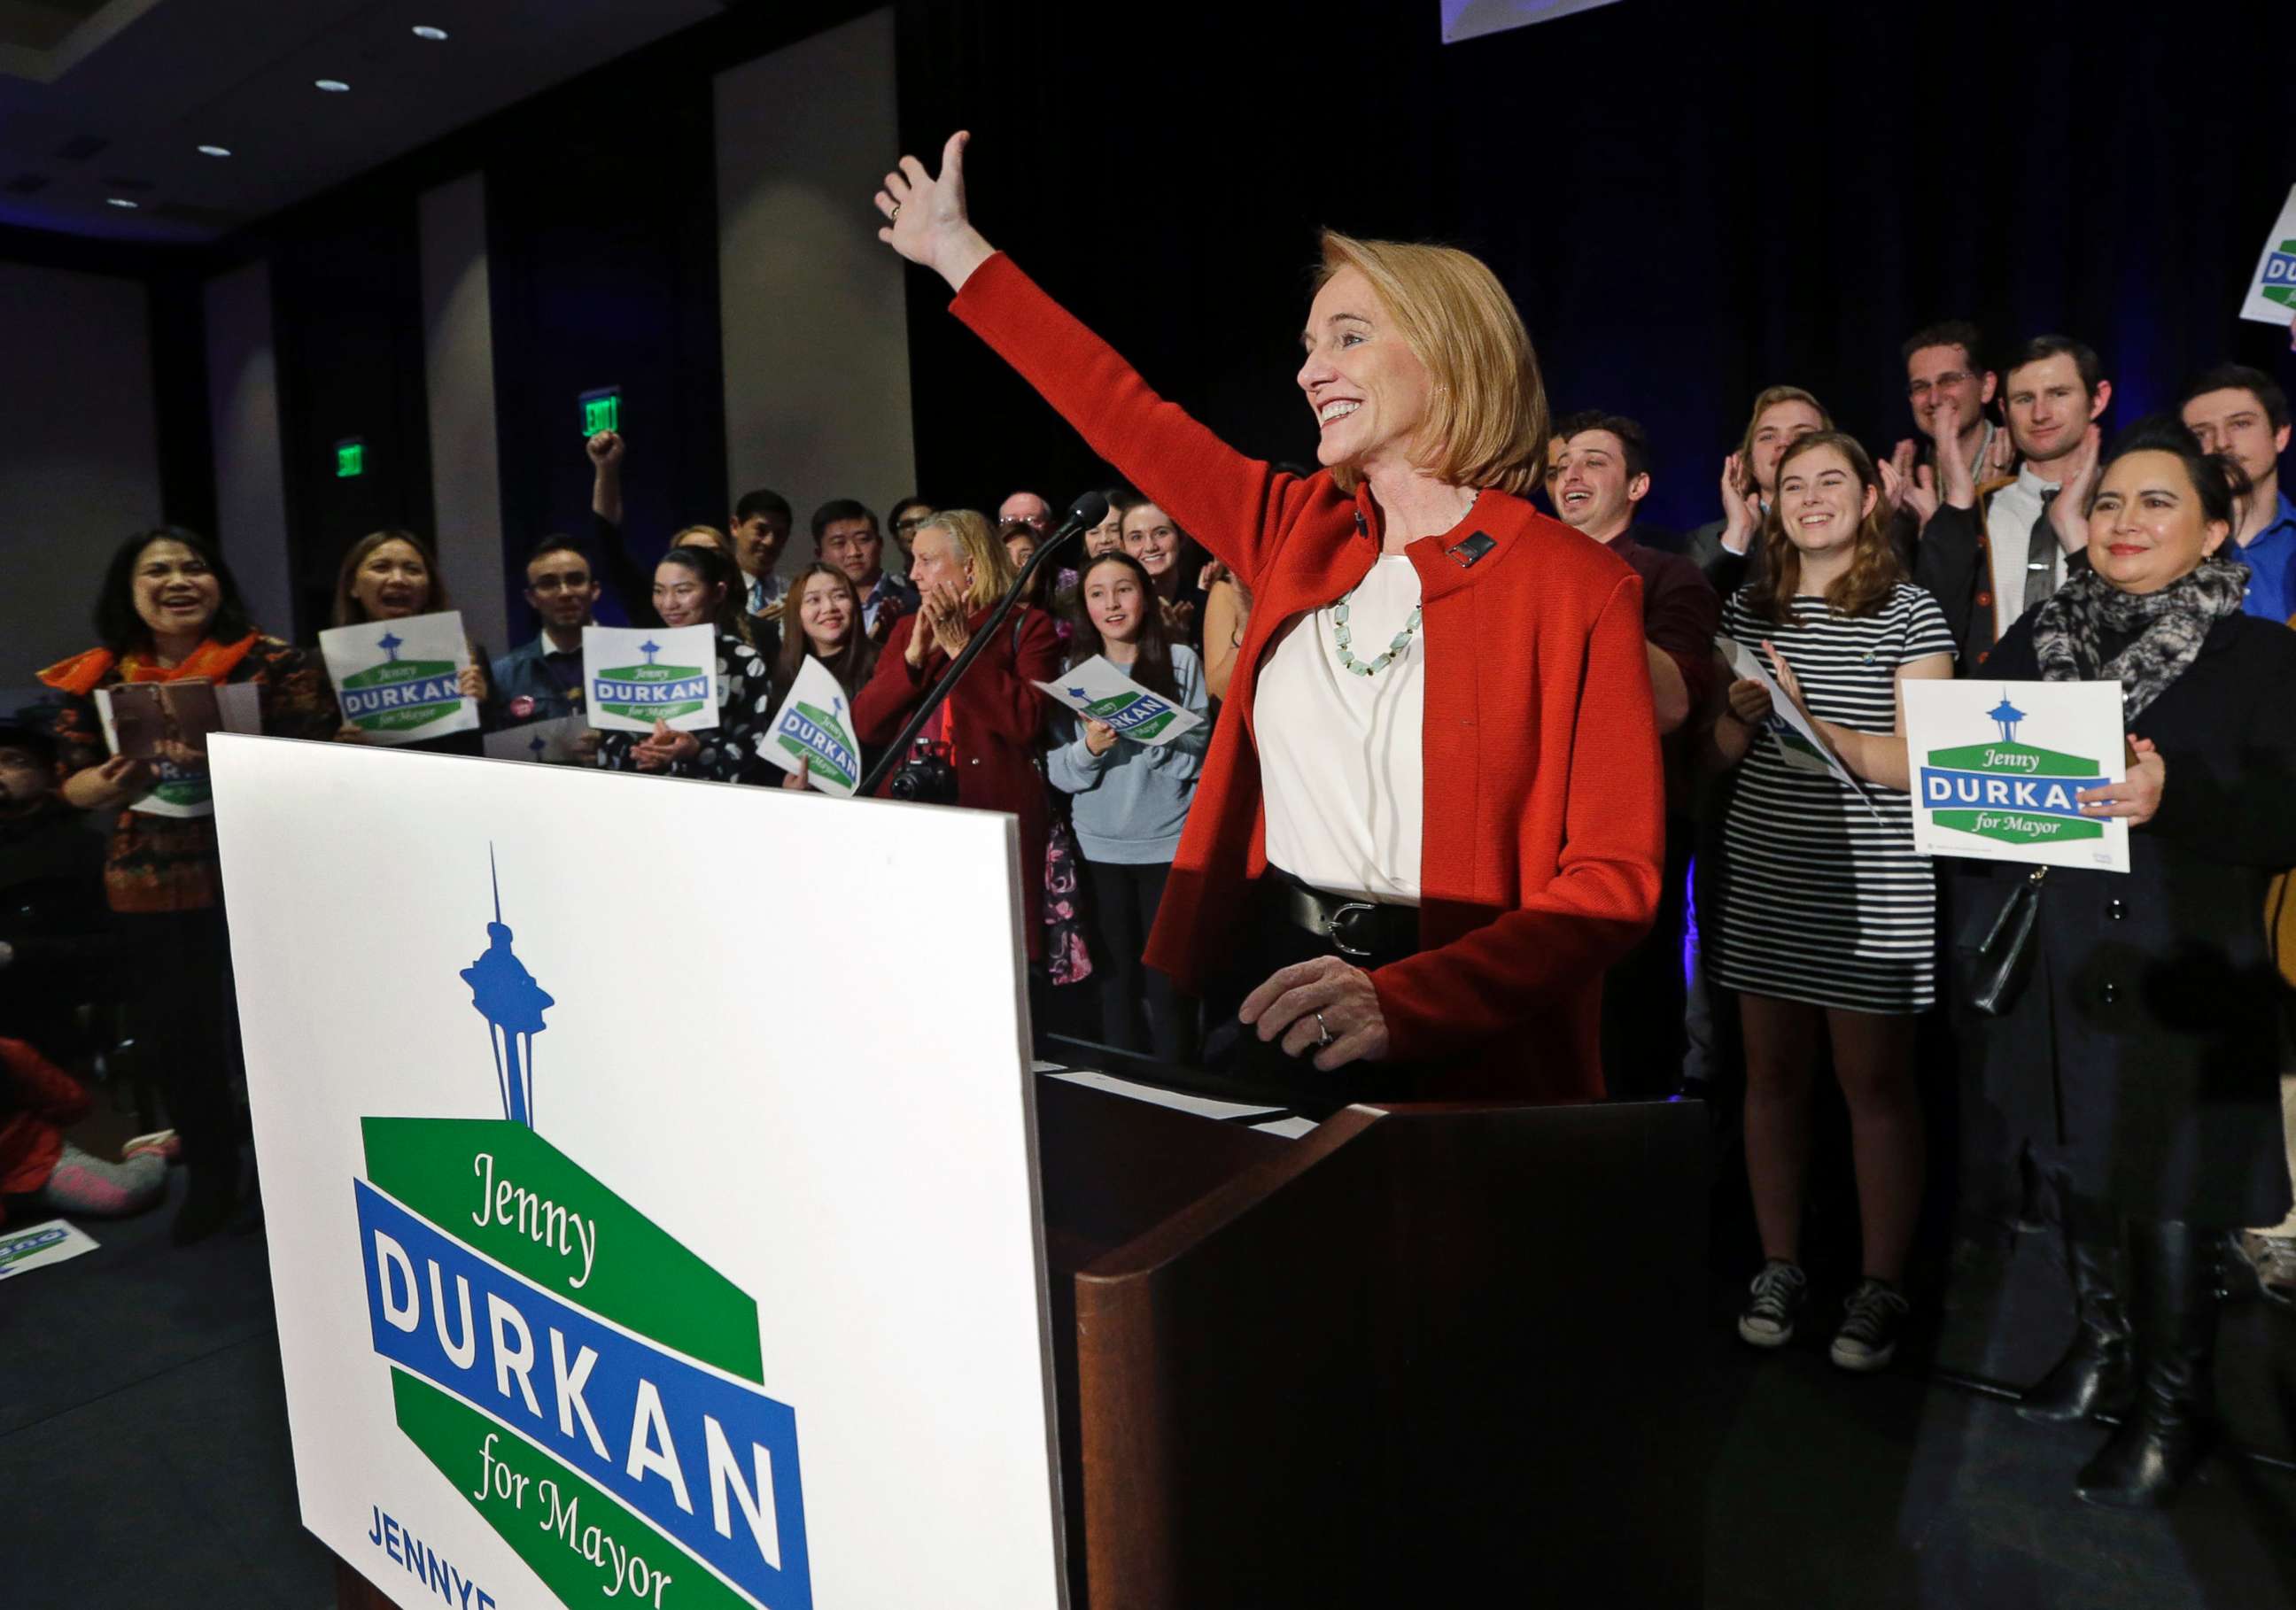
[(1872, 1320), (1769, 1319), (2273, 1259)]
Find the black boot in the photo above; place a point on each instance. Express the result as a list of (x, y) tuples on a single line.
[(2097, 1375), (2144, 1464)]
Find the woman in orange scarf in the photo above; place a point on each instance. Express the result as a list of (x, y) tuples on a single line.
[(169, 612)]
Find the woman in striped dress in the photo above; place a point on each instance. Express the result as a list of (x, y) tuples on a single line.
[(1826, 918)]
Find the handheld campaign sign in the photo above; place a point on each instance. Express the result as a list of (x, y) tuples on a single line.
[(814, 731), (1804, 746), (2272, 288), (612, 1271), (549, 742), (168, 724), (637, 678), (399, 681), (1997, 767), (1099, 691)]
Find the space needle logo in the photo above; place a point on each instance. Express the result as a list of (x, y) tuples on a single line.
[(586, 1383)]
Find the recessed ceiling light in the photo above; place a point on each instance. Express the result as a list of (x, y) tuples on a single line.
[(425, 31), (214, 150), (121, 201), (334, 86)]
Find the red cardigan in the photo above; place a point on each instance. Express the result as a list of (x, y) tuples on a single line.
[(1544, 818), (999, 716)]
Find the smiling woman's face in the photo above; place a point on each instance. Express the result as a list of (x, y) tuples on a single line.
[(393, 582), (176, 595), (1820, 502), (1367, 389), (2147, 528)]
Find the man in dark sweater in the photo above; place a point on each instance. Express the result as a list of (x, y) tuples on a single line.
[(1598, 473)]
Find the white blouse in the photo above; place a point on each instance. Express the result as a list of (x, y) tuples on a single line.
[(1340, 755)]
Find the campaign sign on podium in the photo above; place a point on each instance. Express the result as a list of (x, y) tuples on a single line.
[(626, 1251)]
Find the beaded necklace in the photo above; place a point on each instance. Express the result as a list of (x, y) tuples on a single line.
[(1344, 640)]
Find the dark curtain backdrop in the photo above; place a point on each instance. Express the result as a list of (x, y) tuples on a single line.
[(603, 271), (1688, 201), (347, 320)]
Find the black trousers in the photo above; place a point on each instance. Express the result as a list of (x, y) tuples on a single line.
[(1270, 942), (1141, 1010), (186, 1031)]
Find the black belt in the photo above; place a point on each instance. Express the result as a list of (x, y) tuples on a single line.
[(1358, 930)]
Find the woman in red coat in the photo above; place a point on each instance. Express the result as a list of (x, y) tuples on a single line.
[(1436, 819), (993, 723)]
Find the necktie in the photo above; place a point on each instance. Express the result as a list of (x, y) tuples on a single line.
[(758, 596), (2041, 555)]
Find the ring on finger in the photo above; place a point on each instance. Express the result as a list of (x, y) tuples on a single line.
[(1323, 1035), (895, 216)]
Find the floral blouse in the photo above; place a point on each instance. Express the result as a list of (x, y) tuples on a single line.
[(729, 750), (168, 864)]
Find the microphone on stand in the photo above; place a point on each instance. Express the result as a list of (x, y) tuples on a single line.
[(931, 780)]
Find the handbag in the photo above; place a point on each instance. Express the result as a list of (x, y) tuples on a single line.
[(2005, 955)]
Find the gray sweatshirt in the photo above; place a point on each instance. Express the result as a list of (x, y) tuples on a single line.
[(1131, 802)]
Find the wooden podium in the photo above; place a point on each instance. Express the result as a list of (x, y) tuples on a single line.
[(1423, 1355)]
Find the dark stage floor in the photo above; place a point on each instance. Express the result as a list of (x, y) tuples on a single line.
[(144, 1454)]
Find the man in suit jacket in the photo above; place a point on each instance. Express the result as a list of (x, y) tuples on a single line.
[(1992, 552)]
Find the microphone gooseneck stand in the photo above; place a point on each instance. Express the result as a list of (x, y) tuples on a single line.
[(1087, 513)]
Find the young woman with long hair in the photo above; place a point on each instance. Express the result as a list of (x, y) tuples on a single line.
[(1130, 800)]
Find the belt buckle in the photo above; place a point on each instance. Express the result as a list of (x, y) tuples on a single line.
[(1331, 927)]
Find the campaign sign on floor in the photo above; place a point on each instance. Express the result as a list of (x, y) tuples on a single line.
[(612, 1268), (1097, 689), (400, 680), (1997, 766), (814, 730), (637, 678), (29, 1246)]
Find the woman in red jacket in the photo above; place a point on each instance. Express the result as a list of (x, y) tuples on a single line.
[(1437, 820), (993, 723)]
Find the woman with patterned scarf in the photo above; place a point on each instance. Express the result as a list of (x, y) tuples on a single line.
[(2138, 1058), (169, 612)]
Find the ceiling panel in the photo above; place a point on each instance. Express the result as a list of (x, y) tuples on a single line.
[(125, 119)]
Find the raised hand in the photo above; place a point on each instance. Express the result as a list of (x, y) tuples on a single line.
[(606, 449), (951, 628), (925, 216), (1904, 459), (2068, 510), (801, 779), (1922, 494), (1741, 515), (2000, 456), (1957, 482), (1894, 482)]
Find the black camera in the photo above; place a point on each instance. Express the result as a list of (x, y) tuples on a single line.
[(927, 777)]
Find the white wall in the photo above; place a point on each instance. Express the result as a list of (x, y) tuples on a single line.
[(79, 455), (815, 323), (243, 420), (459, 374)]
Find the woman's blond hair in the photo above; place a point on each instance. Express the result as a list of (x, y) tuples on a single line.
[(993, 569), (1486, 421)]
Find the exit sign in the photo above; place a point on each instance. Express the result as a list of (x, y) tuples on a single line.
[(602, 409), (350, 458)]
